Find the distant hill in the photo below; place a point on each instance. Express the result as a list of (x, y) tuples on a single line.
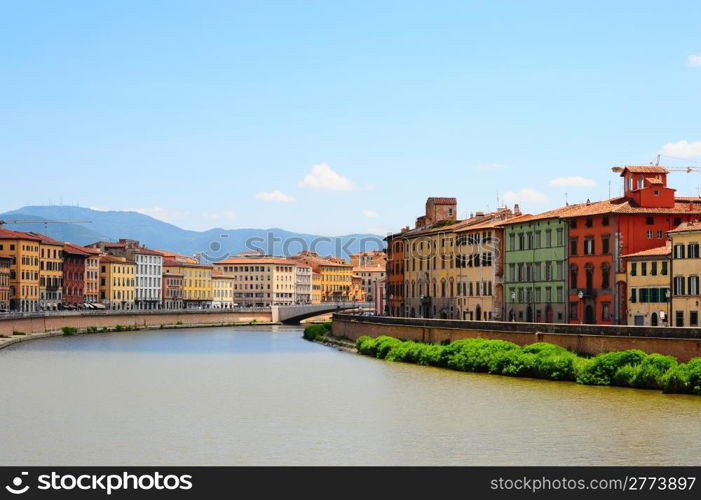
[(213, 244)]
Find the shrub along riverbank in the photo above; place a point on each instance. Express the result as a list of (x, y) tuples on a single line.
[(632, 368)]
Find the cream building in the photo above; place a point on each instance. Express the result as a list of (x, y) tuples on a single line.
[(648, 279), (260, 281), (686, 269)]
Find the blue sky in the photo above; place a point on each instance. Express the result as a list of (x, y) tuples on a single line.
[(339, 117)]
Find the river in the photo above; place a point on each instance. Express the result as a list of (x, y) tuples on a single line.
[(263, 396)]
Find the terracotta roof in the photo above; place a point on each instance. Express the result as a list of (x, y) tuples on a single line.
[(47, 240), (253, 260), (686, 227), (443, 201), (369, 269), (651, 252), (168, 262), (147, 251), (7, 234), (654, 180), (73, 249), (644, 169), (114, 260)]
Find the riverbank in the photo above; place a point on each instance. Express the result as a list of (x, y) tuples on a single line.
[(19, 336), (631, 368), (321, 334)]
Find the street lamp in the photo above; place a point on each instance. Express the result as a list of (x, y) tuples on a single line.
[(668, 294), (580, 294), (513, 301)]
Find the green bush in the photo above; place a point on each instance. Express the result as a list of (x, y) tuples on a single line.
[(120, 328), (91, 329), (383, 344), (632, 368), (178, 322), (317, 331), (17, 332), (601, 369), (684, 378), (69, 330)]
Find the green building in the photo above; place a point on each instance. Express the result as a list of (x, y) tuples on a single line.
[(535, 268)]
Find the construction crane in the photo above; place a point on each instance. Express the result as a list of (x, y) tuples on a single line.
[(46, 222), (687, 169)]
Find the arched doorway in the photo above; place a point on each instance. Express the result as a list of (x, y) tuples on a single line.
[(653, 319), (589, 314), (478, 313), (529, 314), (548, 314)]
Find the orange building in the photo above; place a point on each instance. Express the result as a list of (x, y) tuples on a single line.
[(601, 233), (5, 263), (396, 244)]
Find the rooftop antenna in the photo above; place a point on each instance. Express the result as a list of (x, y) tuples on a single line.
[(609, 188), (566, 202)]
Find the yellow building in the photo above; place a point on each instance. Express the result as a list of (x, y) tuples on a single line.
[(117, 282), (222, 291), (260, 281), (686, 268), (648, 278), (50, 273), (336, 276), (197, 282), (23, 248), (316, 288)]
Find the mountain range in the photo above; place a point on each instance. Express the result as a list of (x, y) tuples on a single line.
[(211, 245)]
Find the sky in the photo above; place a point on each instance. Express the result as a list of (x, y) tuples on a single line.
[(341, 117)]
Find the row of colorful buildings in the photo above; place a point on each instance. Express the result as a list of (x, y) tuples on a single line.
[(38, 273), (581, 263)]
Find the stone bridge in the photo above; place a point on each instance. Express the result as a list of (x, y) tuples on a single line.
[(294, 314)]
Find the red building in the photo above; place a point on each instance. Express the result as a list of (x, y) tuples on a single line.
[(395, 274), (74, 259), (600, 233)]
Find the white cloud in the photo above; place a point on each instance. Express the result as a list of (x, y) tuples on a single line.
[(524, 195), (370, 213), (572, 181), (694, 60), (275, 195), (322, 177), (489, 166), (682, 149)]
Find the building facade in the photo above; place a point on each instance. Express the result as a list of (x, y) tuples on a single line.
[(222, 291), (303, 284), (685, 272), (23, 249), (261, 281), (117, 283), (394, 271), (535, 263), (92, 277), (5, 266), (373, 281), (647, 279), (74, 274), (336, 276), (173, 292)]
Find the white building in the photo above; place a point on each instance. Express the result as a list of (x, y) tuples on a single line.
[(303, 284), (260, 281), (149, 276), (373, 282)]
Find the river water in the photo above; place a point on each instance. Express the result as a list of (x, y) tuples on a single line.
[(264, 396)]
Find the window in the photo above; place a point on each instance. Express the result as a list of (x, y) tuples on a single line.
[(521, 242), (537, 240), (548, 238), (633, 268), (650, 235), (560, 274), (678, 251), (649, 221), (693, 285), (573, 246), (644, 296), (693, 318), (605, 276), (512, 272), (692, 251), (679, 318), (653, 268), (560, 237), (643, 269), (573, 276), (512, 242), (573, 223), (560, 294), (677, 221), (679, 285), (537, 295), (664, 268), (589, 246), (605, 244), (605, 220), (633, 295), (660, 235), (548, 294), (605, 311), (573, 310), (589, 222)]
